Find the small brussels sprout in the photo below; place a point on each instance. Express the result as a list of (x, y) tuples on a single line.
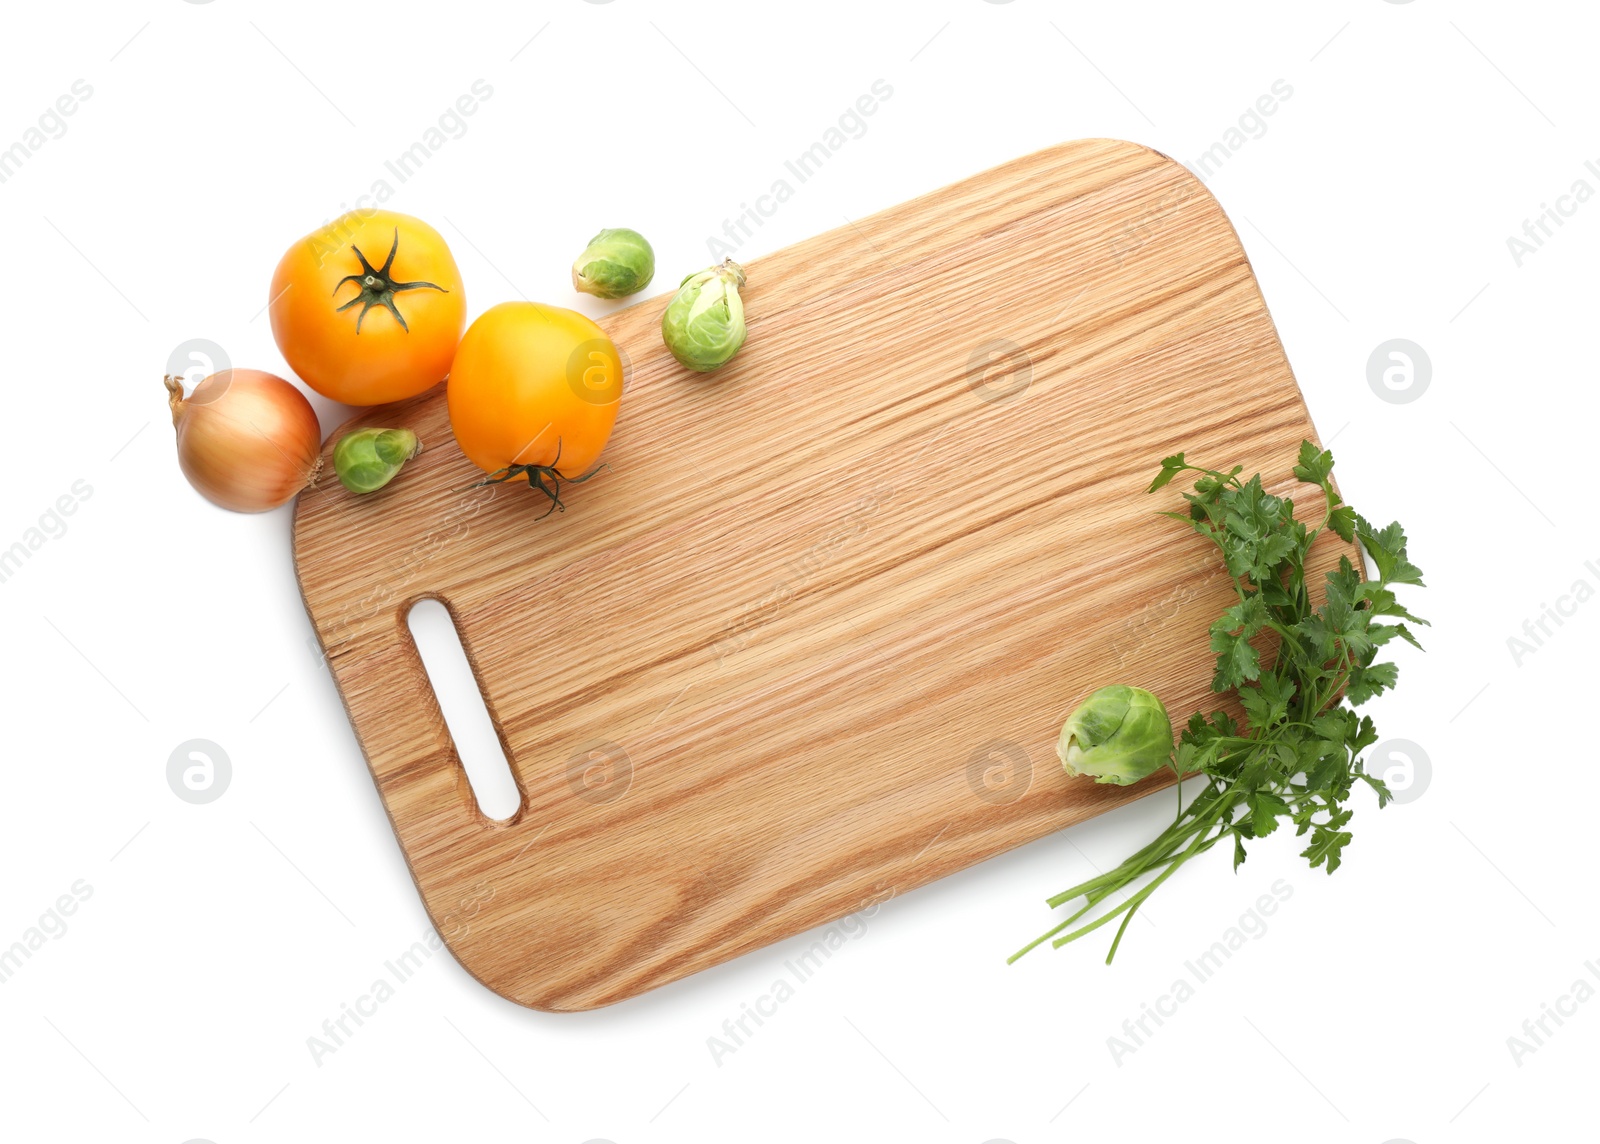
[(1119, 735), (616, 263), (704, 323), (368, 459)]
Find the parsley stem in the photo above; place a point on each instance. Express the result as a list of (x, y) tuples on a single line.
[(1158, 853), (1135, 901), (1288, 635)]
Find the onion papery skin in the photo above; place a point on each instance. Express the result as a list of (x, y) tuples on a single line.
[(247, 439)]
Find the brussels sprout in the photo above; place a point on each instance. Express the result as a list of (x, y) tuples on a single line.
[(368, 459), (704, 322), (616, 263), (1119, 735)]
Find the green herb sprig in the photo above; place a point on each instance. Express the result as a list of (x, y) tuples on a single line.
[(1297, 755)]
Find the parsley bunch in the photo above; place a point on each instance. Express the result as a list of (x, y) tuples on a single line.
[(1297, 754)]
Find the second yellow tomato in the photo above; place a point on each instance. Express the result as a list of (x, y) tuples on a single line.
[(534, 386)]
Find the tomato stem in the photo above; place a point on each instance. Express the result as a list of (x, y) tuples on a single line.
[(537, 475), (378, 288)]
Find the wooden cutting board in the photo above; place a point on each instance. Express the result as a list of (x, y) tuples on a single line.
[(809, 641)]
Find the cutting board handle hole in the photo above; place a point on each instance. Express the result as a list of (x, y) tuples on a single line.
[(465, 712)]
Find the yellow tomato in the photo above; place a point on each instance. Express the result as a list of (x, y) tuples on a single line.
[(534, 387), (369, 308)]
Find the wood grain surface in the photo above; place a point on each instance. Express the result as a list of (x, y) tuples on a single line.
[(809, 641)]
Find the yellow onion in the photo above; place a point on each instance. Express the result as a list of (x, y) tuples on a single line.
[(247, 440)]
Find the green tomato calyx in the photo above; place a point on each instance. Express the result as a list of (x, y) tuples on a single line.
[(548, 479), (378, 288)]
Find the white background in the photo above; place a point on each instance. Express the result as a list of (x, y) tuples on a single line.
[(1376, 204)]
